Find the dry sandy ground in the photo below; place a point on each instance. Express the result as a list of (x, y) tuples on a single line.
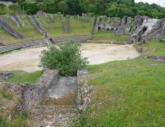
[(28, 59)]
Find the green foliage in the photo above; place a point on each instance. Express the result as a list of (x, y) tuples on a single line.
[(50, 6), (74, 6), (18, 120), (3, 123), (118, 8), (65, 57), (62, 6), (29, 8)]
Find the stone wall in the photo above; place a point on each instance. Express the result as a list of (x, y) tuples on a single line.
[(142, 32), (52, 100), (5, 26), (142, 28), (35, 22), (4, 49)]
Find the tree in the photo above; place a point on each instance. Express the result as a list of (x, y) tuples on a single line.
[(62, 7), (74, 6), (30, 8), (50, 6)]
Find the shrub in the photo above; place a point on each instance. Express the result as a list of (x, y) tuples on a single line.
[(64, 57)]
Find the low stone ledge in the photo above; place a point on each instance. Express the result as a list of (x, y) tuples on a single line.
[(6, 75), (1, 44), (33, 94), (158, 58), (83, 94), (4, 49)]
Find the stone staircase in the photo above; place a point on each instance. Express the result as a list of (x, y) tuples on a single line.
[(51, 101)]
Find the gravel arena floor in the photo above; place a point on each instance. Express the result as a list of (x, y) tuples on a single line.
[(28, 59)]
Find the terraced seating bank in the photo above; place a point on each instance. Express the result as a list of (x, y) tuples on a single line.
[(24, 28)]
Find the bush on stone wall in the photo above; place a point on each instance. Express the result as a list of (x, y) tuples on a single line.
[(64, 57)]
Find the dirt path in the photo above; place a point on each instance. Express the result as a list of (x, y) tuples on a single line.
[(102, 53), (28, 59)]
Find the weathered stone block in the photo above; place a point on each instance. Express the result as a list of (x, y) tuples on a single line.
[(6, 75), (34, 94)]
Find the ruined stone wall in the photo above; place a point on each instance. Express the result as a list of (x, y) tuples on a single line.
[(146, 28), (142, 29), (5, 26), (35, 22)]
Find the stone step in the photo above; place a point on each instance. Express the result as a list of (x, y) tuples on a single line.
[(34, 94), (63, 92), (54, 116)]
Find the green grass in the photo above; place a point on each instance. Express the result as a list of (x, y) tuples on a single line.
[(18, 120), (127, 93), (21, 77), (109, 36), (5, 37), (54, 28), (3, 123)]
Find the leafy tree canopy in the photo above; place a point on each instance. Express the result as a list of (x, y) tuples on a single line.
[(113, 8)]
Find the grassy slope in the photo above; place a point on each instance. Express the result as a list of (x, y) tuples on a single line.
[(5, 37), (109, 36), (156, 48), (54, 29), (28, 31), (128, 93)]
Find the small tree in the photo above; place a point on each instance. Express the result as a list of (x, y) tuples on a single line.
[(64, 57)]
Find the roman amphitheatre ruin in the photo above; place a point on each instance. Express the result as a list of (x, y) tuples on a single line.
[(51, 100)]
